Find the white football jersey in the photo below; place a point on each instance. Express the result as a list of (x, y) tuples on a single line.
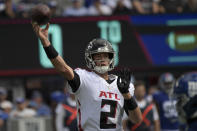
[(100, 104)]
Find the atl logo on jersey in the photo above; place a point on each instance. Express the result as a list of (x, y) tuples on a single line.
[(110, 95)]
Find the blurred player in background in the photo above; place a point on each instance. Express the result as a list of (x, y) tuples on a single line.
[(150, 120), (56, 98), (65, 111), (165, 104), (185, 90), (66, 115), (101, 98)]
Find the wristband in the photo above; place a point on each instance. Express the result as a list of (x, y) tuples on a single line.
[(130, 103), (51, 52)]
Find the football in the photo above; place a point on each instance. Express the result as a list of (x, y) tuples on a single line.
[(41, 14)]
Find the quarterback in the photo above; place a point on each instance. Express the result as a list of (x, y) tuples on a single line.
[(101, 98)]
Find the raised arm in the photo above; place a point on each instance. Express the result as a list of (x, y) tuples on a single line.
[(57, 61), (130, 105)]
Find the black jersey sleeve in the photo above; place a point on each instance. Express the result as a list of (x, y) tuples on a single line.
[(126, 109), (75, 82)]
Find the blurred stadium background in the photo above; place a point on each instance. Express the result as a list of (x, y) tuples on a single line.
[(150, 37)]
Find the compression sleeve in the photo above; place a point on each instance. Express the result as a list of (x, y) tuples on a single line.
[(75, 82), (126, 109)]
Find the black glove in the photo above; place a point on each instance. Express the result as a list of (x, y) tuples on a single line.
[(123, 82)]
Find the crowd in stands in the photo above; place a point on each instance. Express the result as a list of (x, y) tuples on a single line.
[(21, 107), (59, 8)]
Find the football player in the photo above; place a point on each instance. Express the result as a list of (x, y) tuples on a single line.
[(166, 104), (101, 98), (185, 90)]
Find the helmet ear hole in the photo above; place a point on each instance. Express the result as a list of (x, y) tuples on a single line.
[(111, 55), (92, 56)]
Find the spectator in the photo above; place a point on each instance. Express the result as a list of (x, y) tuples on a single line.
[(31, 1), (166, 104), (150, 120), (53, 8), (2, 5), (121, 8), (190, 6), (21, 110), (113, 3), (76, 9), (171, 6), (6, 106), (7, 9), (60, 5), (88, 3), (146, 6), (3, 95), (32, 105), (99, 9), (41, 108), (110, 3), (24, 7), (3, 119)]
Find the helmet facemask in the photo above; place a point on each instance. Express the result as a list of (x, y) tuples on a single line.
[(102, 68), (99, 46), (166, 83), (167, 87)]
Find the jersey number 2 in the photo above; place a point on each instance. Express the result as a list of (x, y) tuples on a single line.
[(104, 115)]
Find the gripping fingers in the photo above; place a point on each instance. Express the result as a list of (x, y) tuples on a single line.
[(47, 26), (36, 28)]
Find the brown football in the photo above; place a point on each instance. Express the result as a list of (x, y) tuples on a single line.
[(41, 14)]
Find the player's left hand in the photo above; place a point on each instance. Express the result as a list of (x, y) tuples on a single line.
[(123, 81)]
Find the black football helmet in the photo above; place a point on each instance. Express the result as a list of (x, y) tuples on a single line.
[(99, 46)]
